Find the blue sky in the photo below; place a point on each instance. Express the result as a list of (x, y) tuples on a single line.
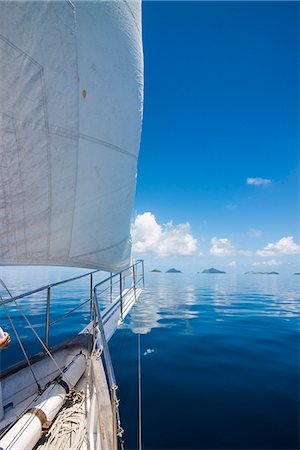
[(221, 106)]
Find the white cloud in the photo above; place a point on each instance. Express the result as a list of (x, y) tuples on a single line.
[(285, 246), (232, 264), (253, 232), (164, 240), (258, 181), (221, 247), (224, 247), (271, 262)]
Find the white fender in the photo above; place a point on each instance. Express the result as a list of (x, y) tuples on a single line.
[(27, 431)]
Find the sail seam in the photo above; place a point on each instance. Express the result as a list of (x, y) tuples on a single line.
[(77, 117), (20, 178), (44, 101), (57, 131), (106, 144), (11, 44), (102, 249), (64, 133)]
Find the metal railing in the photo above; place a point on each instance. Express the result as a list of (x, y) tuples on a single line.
[(117, 279)]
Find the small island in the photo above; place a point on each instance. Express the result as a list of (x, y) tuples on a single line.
[(173, 271), (261, 273), (212, 270), (296, 273), (156, 271)]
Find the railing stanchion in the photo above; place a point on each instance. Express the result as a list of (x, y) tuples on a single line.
[(91, 296), (143, 273), (47, 317), (133, 277)]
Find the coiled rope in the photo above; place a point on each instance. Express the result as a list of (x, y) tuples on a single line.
[(69, 429)]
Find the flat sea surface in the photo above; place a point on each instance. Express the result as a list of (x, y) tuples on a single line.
[(219, 353)]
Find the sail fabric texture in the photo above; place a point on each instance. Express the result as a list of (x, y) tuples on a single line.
[(71, 98)]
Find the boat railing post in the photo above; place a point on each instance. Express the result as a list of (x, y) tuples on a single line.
[(91, 296), (47, 317), (106, 353), (143, 274), (121, 297), (133, 278), (94, 319)]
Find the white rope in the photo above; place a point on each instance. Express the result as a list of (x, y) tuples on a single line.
[(69, 429)]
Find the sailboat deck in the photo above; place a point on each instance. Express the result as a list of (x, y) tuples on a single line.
[(91, 422), (19, 390), (95, 409)]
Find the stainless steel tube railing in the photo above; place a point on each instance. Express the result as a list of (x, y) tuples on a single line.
[(116, 279)]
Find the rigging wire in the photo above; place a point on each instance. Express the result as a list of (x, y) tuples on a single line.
[(32, 329), (20, 343)]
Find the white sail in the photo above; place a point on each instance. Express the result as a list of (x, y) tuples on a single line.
[(71, 95)]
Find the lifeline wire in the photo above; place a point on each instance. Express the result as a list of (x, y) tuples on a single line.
[(20, 343)]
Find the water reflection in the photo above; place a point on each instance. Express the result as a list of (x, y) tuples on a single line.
[(184, 302), (213, 297)]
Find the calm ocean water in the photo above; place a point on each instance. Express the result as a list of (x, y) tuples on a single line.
[(220, 356)]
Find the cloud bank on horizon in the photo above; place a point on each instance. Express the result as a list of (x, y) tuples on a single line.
[(269, 263), (164, 240), (285, 246)]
